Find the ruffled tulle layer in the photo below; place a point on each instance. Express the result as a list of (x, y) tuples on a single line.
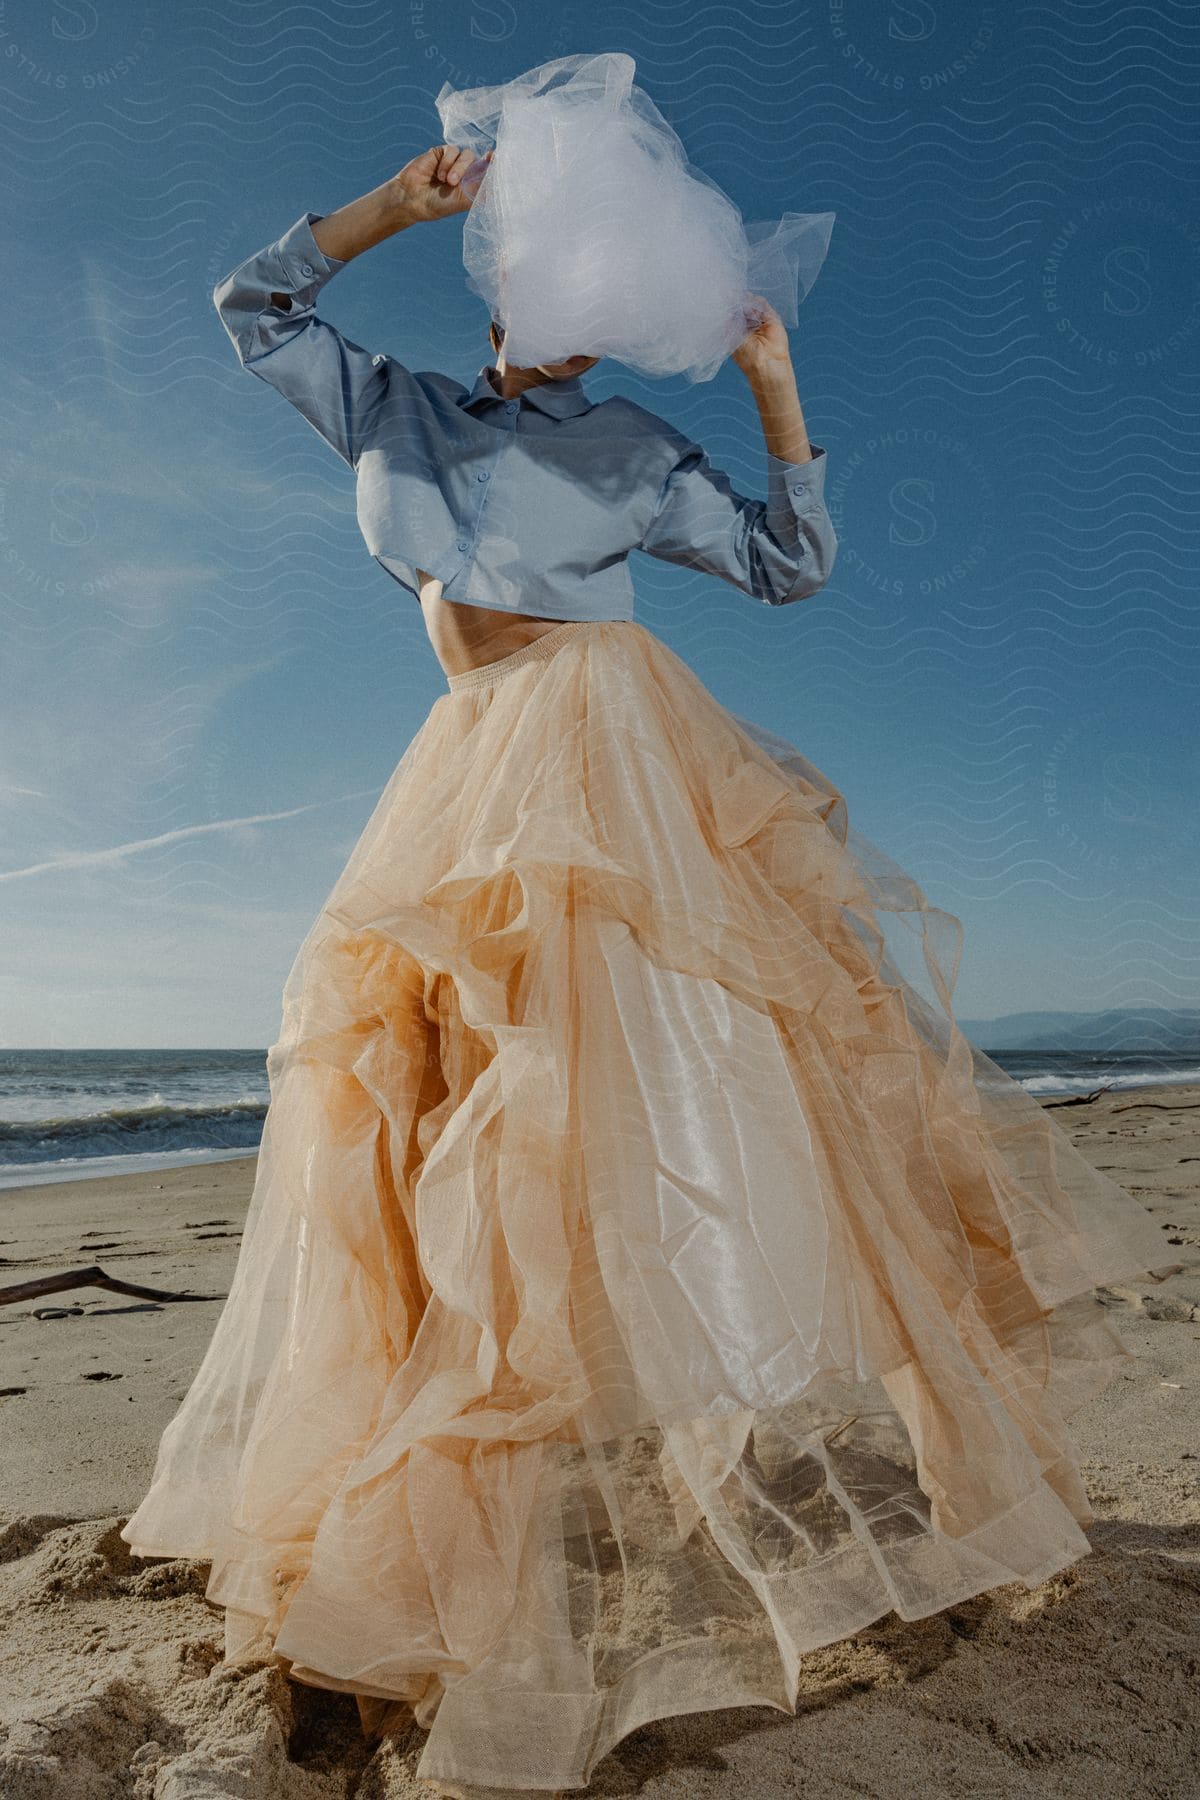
[(645, 1282)]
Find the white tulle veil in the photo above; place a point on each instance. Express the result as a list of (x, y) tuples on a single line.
[(592, 233)]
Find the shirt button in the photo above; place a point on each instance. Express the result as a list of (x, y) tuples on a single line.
[(306, 268), (462, 544), (377, 360), (800, 488), (482, 475), (510, 406)]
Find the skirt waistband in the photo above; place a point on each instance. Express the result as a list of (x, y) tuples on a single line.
[(546, 645)]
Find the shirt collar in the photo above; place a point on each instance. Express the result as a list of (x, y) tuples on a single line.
[(560, 399)]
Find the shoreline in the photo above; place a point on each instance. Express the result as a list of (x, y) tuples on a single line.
[(129, 1163), (44, 1174)]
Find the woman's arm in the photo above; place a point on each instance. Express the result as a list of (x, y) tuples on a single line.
[(267, 305), (441, 181), (778, 405), (364, 222), (765, 359), (778, 551)]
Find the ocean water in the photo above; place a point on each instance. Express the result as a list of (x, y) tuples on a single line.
[(69, 1113)]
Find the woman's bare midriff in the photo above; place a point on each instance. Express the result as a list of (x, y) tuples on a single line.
[(465, 637)]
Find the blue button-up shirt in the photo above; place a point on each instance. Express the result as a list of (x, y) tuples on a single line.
[(527, 505)]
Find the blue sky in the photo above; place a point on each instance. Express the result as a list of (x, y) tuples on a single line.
[(207, 681)]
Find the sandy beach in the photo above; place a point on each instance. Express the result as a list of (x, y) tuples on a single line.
[(109, 1683)]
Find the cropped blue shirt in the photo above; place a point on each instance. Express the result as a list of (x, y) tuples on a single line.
[(529, 505)]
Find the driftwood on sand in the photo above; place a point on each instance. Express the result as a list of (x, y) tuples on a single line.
[(91, 1277)]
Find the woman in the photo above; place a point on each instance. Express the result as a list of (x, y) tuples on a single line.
[(644, 1283)]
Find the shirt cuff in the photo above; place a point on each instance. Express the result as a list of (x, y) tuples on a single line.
[(798, 485), (304, 267)]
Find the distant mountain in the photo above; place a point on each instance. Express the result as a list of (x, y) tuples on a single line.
[(1145, 1028)]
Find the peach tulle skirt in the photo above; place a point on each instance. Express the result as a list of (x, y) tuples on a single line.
[(645, 1281)]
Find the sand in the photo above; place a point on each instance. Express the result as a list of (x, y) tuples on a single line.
[(109, 1677)]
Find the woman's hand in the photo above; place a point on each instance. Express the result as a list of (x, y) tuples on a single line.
[(764, 350), (441, 181)]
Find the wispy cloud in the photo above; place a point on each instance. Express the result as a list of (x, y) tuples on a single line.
[(115, 854)]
